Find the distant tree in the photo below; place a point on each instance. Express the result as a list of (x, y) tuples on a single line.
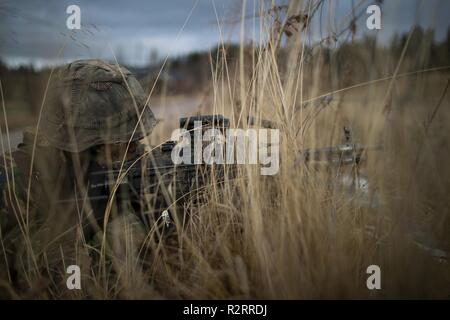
[(447, 41), (153, 57)]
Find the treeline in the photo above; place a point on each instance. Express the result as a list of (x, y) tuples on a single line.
[(342, 64)]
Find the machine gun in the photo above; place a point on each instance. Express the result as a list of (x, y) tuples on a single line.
[(153, 176)]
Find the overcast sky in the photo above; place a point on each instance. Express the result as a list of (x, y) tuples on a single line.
[(33, 31)]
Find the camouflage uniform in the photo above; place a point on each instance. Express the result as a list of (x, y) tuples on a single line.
[(89, 104)]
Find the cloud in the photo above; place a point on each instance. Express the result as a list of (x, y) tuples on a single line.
[(34, 31)]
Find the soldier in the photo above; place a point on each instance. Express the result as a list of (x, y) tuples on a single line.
[(94, 114)]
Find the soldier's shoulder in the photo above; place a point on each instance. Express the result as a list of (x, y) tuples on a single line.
[(9, 164), (11, 172)]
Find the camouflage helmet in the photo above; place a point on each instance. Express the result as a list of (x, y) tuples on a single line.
[(92, 102)]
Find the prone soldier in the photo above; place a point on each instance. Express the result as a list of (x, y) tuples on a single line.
[(95, 114)]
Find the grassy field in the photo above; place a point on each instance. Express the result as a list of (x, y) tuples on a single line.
[(303, 233)]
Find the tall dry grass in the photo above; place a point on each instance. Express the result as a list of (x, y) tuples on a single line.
[(302, 233)]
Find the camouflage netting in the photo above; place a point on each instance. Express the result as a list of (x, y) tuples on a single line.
[(91, 102)]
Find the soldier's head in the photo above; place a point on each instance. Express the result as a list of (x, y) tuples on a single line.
[(95, 106)]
